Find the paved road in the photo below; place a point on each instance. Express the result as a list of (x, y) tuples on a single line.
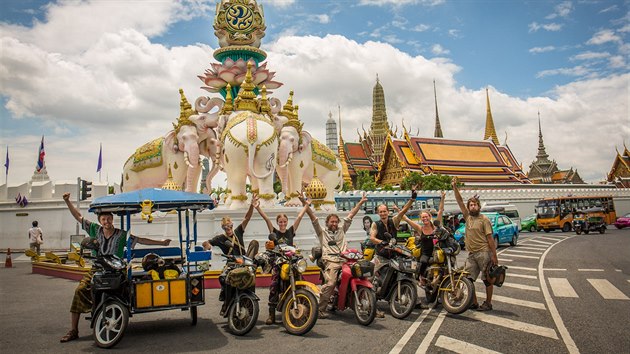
[(564, 293)]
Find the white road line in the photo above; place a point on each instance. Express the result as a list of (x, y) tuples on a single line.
[(607, 290), (542, 242), (459, 346), (534, 248), (618, 270), (555, 269), (522, 268), (513, 301), (520, 256), (553, 237), (590, 270), (505, 260), (522, 276), (553, 310), (550, 239), (511, 324), (410, 332), (424, 346), (526, 252), (561, 287), (521, 286)]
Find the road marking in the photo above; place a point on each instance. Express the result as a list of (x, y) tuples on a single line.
[(522, 268), (459, 346), (513, 301), (550, 239), (590, 270), (521, 286), (526, 252), (618, 270), (542, 242), (555, 269), (532, 248), (520, 256), (607, 290), (424, 346), (412, 329), (522, 276), (512, 324), (553, 237), (553, 310), (561, 287)]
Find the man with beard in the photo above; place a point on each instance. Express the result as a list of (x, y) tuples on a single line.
[(482, 252)]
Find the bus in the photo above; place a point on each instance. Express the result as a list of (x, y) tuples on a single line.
[(557, 213), (345, 202)]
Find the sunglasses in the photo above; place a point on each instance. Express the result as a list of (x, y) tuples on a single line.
[(229, 226)]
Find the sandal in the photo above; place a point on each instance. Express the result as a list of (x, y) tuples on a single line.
[(485, 307), (71, 335), (473, 306)]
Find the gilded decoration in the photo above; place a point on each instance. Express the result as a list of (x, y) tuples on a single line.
[(239, 22), (323, 155), (148, 155), (252, 133)]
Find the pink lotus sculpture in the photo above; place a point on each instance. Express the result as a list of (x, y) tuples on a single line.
[(233, 73)]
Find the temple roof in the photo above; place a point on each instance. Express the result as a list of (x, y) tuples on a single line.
[(620, 166), (357, 158)]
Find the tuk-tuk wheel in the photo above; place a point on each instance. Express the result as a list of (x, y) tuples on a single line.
[(110, 324), (602, 229), (193, 315)]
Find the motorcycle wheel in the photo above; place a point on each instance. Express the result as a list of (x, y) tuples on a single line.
[(365, 308), (110, 324), (402, 306), (430, 294), (242, 321), (301, 320), (193, 315), (578, 230), (458, 300), (602, 229), (587, 231)]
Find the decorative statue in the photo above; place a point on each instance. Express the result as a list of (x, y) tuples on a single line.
[(299, 155), (180, 150)]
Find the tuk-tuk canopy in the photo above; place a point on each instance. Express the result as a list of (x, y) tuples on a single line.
[(591, 210), (162, 200)]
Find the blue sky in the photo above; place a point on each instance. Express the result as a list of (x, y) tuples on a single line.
[(88, 72)]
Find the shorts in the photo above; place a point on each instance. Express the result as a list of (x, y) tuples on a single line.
[(476, 263)]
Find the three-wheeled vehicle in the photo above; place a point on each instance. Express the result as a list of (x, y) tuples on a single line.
[(587, 220), (120, 292)]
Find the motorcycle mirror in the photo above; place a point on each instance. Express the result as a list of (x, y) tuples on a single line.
[(89, 243), (388, 236)]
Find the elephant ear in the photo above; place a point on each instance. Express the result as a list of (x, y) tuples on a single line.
[(170, 139), (305, 140)]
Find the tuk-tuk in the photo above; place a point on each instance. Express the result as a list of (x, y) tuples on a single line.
[(120, 292), (587, 220)]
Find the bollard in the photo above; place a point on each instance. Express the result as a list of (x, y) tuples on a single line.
[(8, 263)]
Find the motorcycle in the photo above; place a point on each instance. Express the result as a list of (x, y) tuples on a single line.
[(298, 298), (240, 298), (443, 279), (396, 280), (353, 289), (588, 220)]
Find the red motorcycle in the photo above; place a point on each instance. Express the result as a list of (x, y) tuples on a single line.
[(353, 289)]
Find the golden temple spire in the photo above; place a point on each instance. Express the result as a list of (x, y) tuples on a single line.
[(490, 131), (287, 109), (228, 105), (438, 127), (342, 154), (264, 102), (185, 111), (291, 112), (246, 100)]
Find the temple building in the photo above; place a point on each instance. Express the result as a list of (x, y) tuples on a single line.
[(331, 134), (619, 174), (483, 161), (543, 170)]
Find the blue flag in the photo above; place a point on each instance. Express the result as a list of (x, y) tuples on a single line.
[(99, 165), (41, 154)]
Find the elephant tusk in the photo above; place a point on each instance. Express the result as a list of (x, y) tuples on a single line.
[(289, 158), (187, 161)]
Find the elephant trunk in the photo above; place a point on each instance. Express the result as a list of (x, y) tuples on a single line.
[(285, 154), (191, 155)]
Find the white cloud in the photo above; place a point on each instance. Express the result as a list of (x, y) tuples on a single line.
[(277, 3), (574, 71), (420, 27), (561, 10), (590, 56), (551, 27), (453, 33), (548, 48), (321, 18), (604, 36), (437, 49), (617, 61), (401, 2), (624, 29), (609, 8)]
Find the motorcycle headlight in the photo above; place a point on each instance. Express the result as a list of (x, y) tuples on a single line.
[(301, 266)]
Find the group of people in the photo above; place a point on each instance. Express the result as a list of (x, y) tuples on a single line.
[(332, 238)]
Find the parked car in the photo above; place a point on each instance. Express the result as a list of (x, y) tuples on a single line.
[(623, 221), (504, 230), (529, 223)]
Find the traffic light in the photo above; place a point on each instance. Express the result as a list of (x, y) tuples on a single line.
[(86, 188)]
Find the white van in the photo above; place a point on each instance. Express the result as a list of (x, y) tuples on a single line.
[(508, 210)]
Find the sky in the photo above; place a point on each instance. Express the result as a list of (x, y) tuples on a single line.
[(85, 73)]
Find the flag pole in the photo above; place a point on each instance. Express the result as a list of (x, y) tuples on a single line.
[(99, 166)]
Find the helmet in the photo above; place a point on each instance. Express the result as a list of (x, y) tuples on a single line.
[(151, 261), (497, 272)]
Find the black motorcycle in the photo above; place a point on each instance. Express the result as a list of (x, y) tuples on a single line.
[(395, 281), (240, 297)]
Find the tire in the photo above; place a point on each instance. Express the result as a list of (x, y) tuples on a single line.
[(587, 231), (110, 324), (365, 308), (514, 240), (496, 241), (301, 321), (403, 306), (566, 227), (602, 229), (458, 300), (547, 230), (578, 231), (241, 322), (193, 315), (430, 294), (532, 228)]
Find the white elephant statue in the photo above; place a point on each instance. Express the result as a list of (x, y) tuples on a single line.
[(179, 151), (299, 156)]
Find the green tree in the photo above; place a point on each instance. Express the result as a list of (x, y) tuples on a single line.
[(411, 180), (347, 186), (110, 190), (388, 187), (365, 181), (436, 182)]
